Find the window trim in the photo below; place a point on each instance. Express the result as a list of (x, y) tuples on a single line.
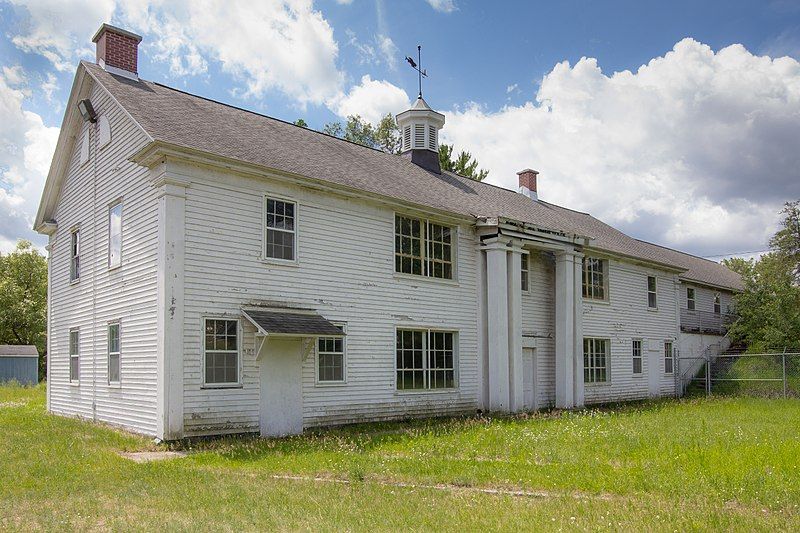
[(109, 353), (331, 383), (605, 264), (525, 256), (640, 373), (76, 355), (456, 352), (276, 260), (425, 222), (111, 207), (670, 357), (607, 365), (654, 292), (239, 336), (693, 299), (75, 253)]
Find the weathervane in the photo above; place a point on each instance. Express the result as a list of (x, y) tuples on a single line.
[(418, 67)]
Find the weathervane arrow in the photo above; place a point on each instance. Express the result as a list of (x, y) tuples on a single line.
[(418, 67)]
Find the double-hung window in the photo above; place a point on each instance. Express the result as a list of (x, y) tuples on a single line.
[(331, 359), (113, 352), (280, 230), (425, 359), (669, 357), (652, 292), (690, 301), (221, 349), (526, 273), (637, 356), (75, 256), (115, 235), (74, 356), (594, 278), (717, 304), (423, 248), (595, 360)]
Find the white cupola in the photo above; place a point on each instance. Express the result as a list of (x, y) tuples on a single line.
[(419, 128)]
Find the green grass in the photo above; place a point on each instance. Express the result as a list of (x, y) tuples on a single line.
[(730, 463)]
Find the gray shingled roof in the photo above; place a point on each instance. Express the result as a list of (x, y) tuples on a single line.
[(18, 350), (171, 116), (292, 323)]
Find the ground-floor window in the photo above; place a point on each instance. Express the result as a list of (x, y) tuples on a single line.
[(595, 360), (669, 357), (331, 359), (637, 356), (221, 350), (113, 352), (74, 356), (425, 359)]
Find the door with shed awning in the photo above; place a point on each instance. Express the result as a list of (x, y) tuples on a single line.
[(285, 337)]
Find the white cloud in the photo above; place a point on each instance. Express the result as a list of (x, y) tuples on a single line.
[(344, 2), (380, 50), (372, 100), (444, 6), (511, 88), (696, 149)]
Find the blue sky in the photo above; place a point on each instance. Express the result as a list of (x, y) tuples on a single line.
[(654, 151)]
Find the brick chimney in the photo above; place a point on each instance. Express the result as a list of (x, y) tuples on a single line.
[(118, 51), (527, 183)]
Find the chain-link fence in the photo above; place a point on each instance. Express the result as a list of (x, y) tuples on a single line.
[(770, 375)]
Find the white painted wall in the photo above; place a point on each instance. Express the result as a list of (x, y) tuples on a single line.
[(538, 322), (127, 294)]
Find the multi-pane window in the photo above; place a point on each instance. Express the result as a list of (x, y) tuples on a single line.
[(637, 356), (280, 237), (594, 278), (690, 301), (525, 278), (423, 248), (595, 360), (717, 304), (652, 293), (74, 355), (115, 236), (221, 351), (75, 256), (330, 359), (113, 353), (425, 359), (669, 357)]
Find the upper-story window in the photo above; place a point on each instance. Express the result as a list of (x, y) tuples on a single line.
[(652, 293), (526, 273), (115, 235), (423, 248), (717, 304), (690, 301), (595, 282), (75, 256), (280, 239)]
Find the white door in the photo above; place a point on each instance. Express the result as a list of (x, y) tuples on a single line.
[(281, 388), (529, 388), (654, 370)]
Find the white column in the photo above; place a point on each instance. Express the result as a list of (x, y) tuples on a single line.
[(171, 241), (497, 324), (577, 333), (565, 330), (516, 396)]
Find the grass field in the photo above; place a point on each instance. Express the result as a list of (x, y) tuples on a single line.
[(730, 464)]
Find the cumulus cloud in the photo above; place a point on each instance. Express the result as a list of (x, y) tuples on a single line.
[(380, 50), (372, 100), (696, 149), (444, 6)]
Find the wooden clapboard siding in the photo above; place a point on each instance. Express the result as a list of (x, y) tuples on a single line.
[(127, 294), (345, 270), (538, 321)]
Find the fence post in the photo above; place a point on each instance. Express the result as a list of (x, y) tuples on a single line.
[(708, 375), (784, 373)]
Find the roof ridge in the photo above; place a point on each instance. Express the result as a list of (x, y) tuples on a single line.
[(680, 252)]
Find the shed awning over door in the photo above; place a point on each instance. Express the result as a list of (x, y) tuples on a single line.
[(292, 323)]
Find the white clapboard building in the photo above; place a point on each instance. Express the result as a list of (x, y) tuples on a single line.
[(213, 270)]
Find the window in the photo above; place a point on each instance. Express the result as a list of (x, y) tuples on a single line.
[(637, 356), (669, 357), (221, 351), (115, 236), (423, 248), (717, 304), (74, 356), (113, 353), (425, 359), (595, 360), (594, 278), (280, 230), (75, 257), (525, 273), (652, 293), (331, 359), (690, 302)]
